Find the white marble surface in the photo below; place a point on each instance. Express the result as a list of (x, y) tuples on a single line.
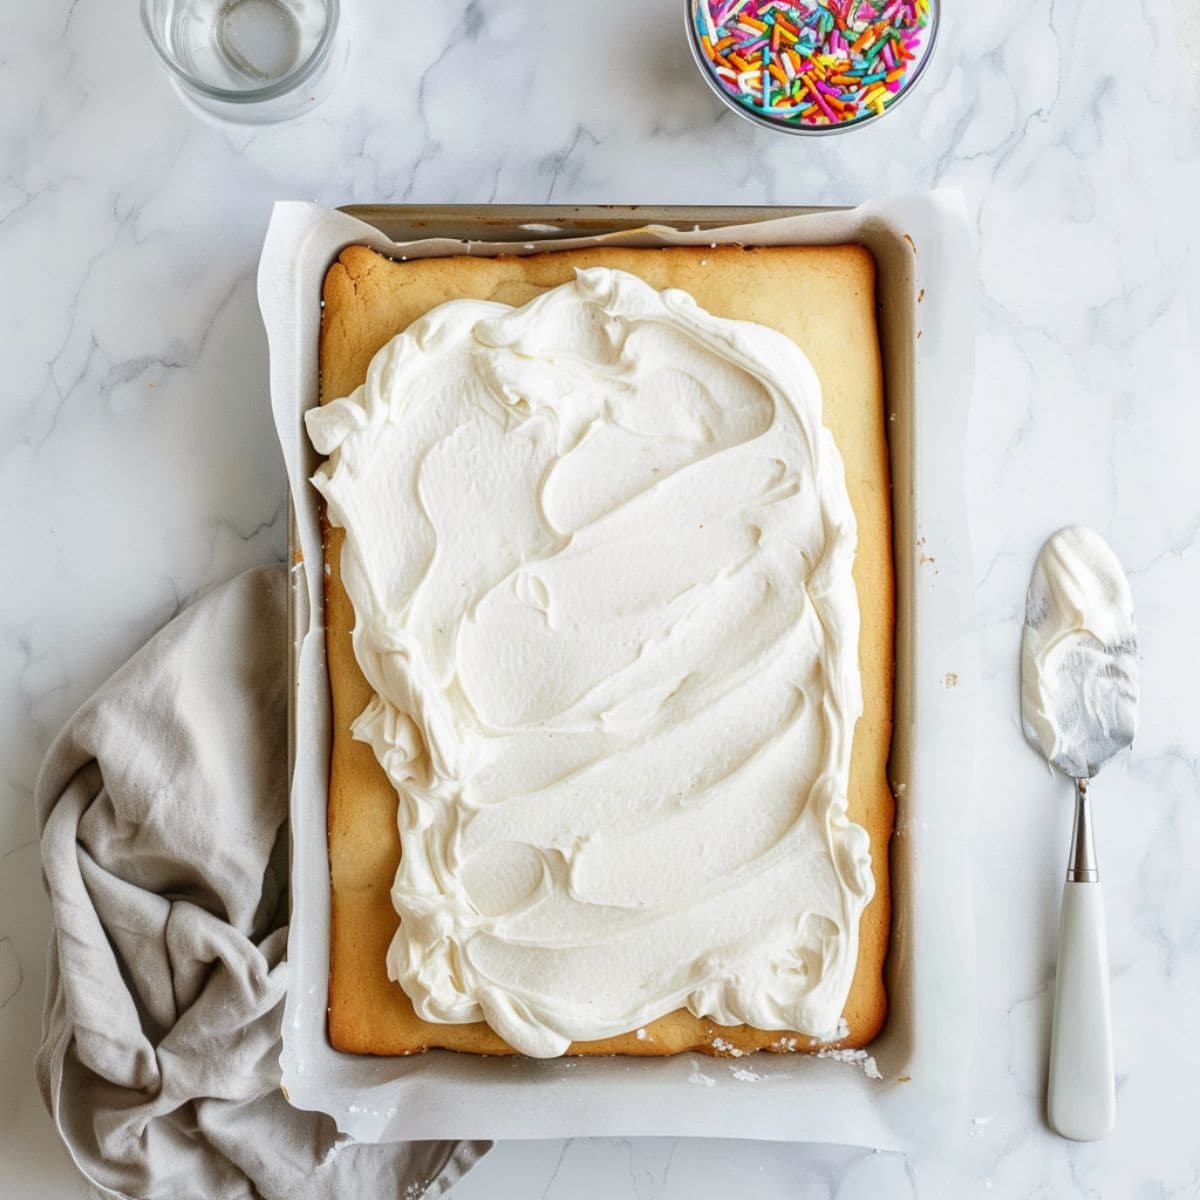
[(138, 463)]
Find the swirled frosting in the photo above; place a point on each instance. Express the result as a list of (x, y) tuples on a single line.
[(599, 550)]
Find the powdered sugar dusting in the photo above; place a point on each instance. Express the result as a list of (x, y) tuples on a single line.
[(698, 1076)]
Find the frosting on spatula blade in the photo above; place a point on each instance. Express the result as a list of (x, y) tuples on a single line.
[(1079, 668)]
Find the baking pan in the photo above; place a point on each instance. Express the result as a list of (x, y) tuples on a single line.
[(921, 249)]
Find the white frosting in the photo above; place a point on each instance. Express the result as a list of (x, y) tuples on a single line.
[(1079, 675), (599, 549)]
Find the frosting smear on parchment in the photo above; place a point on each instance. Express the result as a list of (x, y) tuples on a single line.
[(599, 550)]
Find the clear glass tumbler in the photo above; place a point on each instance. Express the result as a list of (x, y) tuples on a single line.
[(246, 60)]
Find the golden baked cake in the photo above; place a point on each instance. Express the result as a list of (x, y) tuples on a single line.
[(822, 299)]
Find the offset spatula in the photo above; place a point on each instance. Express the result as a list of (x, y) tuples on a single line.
[(1079, 702)]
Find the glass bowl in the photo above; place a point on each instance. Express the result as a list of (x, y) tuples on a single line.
[(745, 107), (250, 60)]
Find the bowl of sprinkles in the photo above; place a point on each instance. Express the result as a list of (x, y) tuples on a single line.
[(812, 66)]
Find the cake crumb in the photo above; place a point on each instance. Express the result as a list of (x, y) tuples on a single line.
[(951, 679), (858, 1058), (724, 1047)]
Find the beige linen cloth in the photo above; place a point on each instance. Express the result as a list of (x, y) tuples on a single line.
[(163, 816)]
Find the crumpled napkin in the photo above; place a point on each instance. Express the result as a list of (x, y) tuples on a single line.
[(163, 816)]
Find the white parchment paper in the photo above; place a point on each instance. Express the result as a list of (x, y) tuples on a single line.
[(923, 254)]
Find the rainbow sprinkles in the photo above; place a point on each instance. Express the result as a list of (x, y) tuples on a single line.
[(814, 63)]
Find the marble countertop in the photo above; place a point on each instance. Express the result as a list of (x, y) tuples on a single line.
[(139, 464)]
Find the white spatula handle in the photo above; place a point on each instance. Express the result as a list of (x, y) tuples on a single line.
[(1081, 1100)]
